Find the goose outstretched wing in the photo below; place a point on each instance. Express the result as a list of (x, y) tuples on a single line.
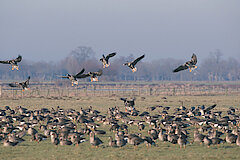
[(98, 73), (110, 55), (194, 59), (18, 59), (27, 81), (16, 84), (80, 73), (137, 60), (83, 75), (180, 68)]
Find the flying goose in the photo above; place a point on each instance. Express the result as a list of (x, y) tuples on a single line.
[(104, 59), (24, 84), (189, 64), (73, 78), (129, 104), (13, 62), (133, 63), (93, 75)]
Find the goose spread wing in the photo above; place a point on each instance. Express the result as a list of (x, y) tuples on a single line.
[(63, 76), (5, 62), (16, 84), (83, 75), (99, 73), (194, 59), (18, 59), (123, 99), (110, 55), (137, 60), (27, 81), (210, 108), (180, 68), (79, 74)]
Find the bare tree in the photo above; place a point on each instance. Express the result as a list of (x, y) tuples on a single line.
[(213, 68)]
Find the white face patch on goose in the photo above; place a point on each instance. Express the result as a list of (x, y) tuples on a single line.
[(14, 67), (94, 79), (192, 67), (107, 65), (75, 82)]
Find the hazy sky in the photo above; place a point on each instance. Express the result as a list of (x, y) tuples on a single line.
[(50, 29)]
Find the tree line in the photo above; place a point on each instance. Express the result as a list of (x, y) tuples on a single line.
[(212, 68)]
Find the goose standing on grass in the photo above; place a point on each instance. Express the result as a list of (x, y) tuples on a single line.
[(198, 137), (135, 140), (238, 139), (105, 61), (161, 136), (182, 141), (207, 141), (189, 64), (73, 78), (23, 85), (94, 141), (111, 143), (76, 138), (120, 141), (132, 64), (148, 141), (231, 138), (64, 141), (7, 143), (13, 62)]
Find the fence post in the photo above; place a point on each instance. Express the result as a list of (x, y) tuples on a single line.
[(0, 91), (48, 92), (150, 91), (85, 90), (226, 91), (174, 92), (94, 89)]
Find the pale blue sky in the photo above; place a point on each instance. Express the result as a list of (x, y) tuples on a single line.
[(50, 29)]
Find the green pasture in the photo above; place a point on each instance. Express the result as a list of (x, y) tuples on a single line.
[(46, 150)]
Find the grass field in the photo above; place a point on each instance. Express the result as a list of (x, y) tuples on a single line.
[(46, 150)]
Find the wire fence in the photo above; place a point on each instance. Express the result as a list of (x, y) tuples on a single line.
[(51, 90)]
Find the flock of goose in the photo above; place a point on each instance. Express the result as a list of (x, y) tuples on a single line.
[(72, 127), (155, 124), (94, 75)]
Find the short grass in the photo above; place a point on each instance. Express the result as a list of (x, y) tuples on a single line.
[(45, 150)]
